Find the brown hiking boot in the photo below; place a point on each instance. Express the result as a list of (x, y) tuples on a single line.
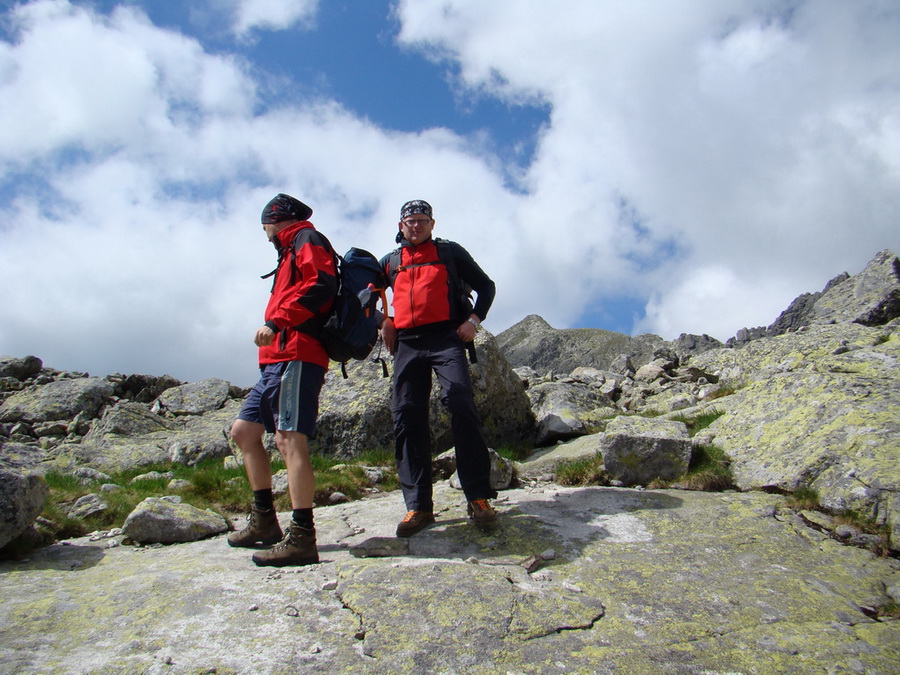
[(415, 521), (262, 530), (482, 514), (297, 548)]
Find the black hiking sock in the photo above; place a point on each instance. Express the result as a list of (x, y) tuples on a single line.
[(303, 518), (263, 499)]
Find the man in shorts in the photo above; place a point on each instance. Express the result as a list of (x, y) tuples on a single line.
[(285, 401)]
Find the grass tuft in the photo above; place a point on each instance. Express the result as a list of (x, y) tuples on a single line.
[(701, 421), (587, 471), (803, 499), (709, 470)]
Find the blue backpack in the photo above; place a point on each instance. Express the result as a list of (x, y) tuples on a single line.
[(350, 330)]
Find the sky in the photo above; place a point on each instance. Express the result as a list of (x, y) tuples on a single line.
[(650, 166)]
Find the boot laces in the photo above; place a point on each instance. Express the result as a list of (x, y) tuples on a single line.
[(481, 505), (409, 516), (284, 543)]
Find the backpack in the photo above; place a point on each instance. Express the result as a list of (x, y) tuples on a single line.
[(350, 329)]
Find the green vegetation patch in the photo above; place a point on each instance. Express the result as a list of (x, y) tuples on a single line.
[(587, 471), (209, 485), (699, 422)]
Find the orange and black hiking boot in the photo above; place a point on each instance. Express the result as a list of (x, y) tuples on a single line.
[(415, 521), (483, 515)]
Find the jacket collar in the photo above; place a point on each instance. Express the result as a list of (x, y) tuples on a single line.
[(405, 243), (284, 238)]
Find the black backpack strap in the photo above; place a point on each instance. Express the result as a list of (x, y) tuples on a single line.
[(393, 266)]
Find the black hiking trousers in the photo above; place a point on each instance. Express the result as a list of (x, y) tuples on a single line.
[(417, 357)]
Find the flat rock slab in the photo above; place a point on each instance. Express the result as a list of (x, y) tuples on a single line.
[(639, 581)]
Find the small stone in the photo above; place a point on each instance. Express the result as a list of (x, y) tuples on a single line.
[(472, 560), (87, 505), (253, 608), (531, 563), (845, 531), (818, 519), (865, 540), (338, 498), (315, 649), (572, 588), (290, 610), (330, 585), (549, 554)]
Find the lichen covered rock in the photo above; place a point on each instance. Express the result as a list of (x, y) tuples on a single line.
[(819, 410), (157, 520)]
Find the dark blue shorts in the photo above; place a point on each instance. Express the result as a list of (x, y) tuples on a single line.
[(286, 398)]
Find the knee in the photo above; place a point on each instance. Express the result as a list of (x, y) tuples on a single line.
[(410, 413), (459, 399), (292, 445), (246, 434)]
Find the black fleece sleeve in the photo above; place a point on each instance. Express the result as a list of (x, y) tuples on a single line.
[(470, 272)]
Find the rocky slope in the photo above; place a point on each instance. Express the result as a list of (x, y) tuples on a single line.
[(598, 579)]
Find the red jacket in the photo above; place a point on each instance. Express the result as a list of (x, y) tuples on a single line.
[(424, 295), (304, 287)]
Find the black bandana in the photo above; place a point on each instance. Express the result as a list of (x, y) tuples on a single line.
[(285, 207), (415, 206)]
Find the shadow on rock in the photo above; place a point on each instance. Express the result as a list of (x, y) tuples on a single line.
[(61, 557), (562, 521), (570, 518)]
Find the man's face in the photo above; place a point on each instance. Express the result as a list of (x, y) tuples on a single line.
[(272, 229), (417, 228)]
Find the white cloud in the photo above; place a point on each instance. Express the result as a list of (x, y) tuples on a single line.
[(756, 136), (271, 14), (79, 80)]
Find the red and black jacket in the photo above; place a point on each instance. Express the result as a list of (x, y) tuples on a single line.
[(431, 282), (303, 290)]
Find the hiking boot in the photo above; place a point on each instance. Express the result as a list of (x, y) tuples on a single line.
[(415, 521), (262, 530), (297, 548), (482, 514)]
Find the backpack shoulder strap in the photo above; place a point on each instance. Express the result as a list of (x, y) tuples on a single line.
[(312, 236), (393, 266), (445, 254)]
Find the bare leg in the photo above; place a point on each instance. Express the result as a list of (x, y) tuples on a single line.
[(249, 438), (294, 448)]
